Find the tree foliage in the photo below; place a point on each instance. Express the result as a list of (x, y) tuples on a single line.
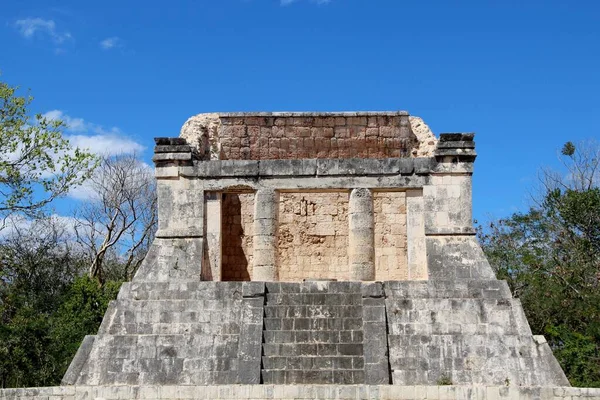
[(47, 304), (550, 257), (48, 301), (37, 164)]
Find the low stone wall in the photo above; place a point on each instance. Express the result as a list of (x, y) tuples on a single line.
[(272, 136), (256, 392)]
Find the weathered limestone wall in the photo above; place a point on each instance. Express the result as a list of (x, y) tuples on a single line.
[(237, 234), (390, 236), (295, 392), (313, 236), (263, 136)]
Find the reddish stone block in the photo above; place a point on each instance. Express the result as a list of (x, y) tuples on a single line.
[(341, 132), (263, 152), (294, 144), (302, 152), (371, 142), (316, 132), (375, 153), (303, 131), (273, 152), (357, 121), (266, 131), (372, 132), (383, 120), (329, 122), (234, 153), (278, 131), (279, 122), (386, 131), (239, 131), (328, 132), (253, 131), (297, 122), (372, 122), (226, 132), (245, 153)]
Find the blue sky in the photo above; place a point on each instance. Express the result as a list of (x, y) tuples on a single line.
[(523, 75)]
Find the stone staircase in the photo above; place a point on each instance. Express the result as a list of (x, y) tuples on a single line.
[(314, 333)]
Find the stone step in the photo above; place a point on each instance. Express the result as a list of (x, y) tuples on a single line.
[(313, 287), (313, 311), (307, 336), (322, 324), (186, 290), (293, 377), (451, 289), (461, 346), (313, 362), (174, 346), (346, 299), (312, 349)]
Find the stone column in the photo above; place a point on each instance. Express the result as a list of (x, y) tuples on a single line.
[(211, 269), (361, 251), (266, 215)]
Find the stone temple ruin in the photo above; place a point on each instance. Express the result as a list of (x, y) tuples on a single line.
[(314, 255), (314, 248)]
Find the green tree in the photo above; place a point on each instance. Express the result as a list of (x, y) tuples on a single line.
[(37, 164), (47, 303), (550, 257)]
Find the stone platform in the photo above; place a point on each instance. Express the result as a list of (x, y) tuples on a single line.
[(260, 392), (468, 332)]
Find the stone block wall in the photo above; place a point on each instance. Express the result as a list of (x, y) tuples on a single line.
[(389, 209), (313, 236), (263, 136)]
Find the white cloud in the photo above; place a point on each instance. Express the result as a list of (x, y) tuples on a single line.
[(94, 137), (30, 27), (73, 124), (19, 224), (111, 42), (319, 2), (106, 144), (86, 191)]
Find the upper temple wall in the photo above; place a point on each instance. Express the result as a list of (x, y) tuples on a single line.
[(273, 136)]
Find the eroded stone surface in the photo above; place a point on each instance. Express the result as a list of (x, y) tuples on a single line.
[(427, 139)]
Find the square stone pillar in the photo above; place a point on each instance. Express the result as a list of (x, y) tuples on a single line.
[(361, 240), (266, 221), (415, 235), (211, 268)]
